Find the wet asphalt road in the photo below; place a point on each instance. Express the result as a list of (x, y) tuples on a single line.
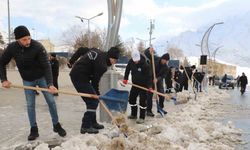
[(237, 110)]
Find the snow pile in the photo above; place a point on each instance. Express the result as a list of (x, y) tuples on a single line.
[(191, 127)]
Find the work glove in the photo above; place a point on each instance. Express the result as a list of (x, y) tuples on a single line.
[(125, 81), (151, 90)]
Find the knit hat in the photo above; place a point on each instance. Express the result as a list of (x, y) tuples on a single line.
[(165, 56), (21, 31), (135, 55), (53, 54), (114, 52)]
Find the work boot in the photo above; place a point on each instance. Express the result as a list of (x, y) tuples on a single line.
[(142, 113), (132, 117), (140, 121), (97, 126), (33, 133), (58, 129), (90, 130), (150, 114), (165, 112)]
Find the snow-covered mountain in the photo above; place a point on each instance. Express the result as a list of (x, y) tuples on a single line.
[(233, 35)]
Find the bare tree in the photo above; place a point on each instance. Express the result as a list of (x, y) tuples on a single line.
[(77, 37), (1, 39), (73, 36), (175, 53)]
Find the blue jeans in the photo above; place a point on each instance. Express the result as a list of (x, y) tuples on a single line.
[(31, 97)]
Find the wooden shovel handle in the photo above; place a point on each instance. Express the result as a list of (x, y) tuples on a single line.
[(154, 91), (71, 93), (58, 91)]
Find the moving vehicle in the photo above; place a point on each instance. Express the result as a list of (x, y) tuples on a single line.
[(231, 82)]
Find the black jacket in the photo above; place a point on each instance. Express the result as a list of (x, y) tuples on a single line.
[(199, 76), (187, 72), (32, 62), (55, 67), (90, 67), (243, 80), (160, 70), (168, 79), (141, 73), (179, 77)]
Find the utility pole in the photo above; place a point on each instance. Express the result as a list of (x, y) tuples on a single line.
[(151, 28)]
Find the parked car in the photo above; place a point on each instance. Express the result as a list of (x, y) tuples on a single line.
[(231, 82)]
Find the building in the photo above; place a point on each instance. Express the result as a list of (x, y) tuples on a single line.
[(47, 45)]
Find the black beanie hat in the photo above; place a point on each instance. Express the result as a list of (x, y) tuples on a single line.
[(53, 54), (165, 56), (114, 52), (21, 31)]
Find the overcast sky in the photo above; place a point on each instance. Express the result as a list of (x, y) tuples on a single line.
[(49, 18)]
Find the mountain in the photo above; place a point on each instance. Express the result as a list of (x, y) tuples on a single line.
[(233, 35)]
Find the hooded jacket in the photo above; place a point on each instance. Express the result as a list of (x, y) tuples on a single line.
[(89, 65), (32, 62)]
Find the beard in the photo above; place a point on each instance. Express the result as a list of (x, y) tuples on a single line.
[(27, 45)]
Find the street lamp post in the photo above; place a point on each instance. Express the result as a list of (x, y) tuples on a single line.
[(214, 54), (205, 48), (88, 19), (8, 4)]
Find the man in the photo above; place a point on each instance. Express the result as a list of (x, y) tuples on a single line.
[(187, 75), (198, 77), (88, 67), (243, 82), (224, 81), (35, 70), (161, 70), (141, 75), (178, 78), (55, 69), (168, 81)]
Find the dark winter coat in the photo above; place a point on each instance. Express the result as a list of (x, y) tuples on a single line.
[(141, 72), (224, 79), (32, 62), (179, 77), (160, 70), (55, 67), (199, 76), (90, 67), (168, 79), (243, 80), (188, 72)]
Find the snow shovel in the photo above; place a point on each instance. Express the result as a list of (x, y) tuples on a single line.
[(167, 96), (190, 81), (78, 94), (159, 109)]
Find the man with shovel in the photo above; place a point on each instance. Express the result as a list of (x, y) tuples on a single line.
[(161, 70), (88, 67), (141, 75), (34, 67)]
